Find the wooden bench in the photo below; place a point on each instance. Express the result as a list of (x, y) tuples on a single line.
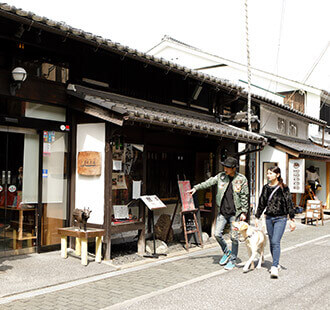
[(81, 242)]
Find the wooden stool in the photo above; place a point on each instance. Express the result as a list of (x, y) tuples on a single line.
[(82, 242)]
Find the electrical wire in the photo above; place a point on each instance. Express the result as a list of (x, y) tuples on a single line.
[(278, 49), (310, 70)]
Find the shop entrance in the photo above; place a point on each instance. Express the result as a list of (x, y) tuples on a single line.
[(33, 189), (18, 203)]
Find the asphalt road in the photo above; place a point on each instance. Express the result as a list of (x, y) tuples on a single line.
[(196, 281), (303, 283)]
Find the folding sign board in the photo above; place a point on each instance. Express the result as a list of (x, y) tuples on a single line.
[(186, 198)]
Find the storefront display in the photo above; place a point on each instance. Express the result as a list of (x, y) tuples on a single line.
[(126, 179)]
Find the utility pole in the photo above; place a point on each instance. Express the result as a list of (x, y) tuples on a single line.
[(248, 67)]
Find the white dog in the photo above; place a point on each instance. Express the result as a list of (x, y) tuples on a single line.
[(255, 241)]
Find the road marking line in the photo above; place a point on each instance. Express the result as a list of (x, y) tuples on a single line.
[(129, 302), (59, 287)]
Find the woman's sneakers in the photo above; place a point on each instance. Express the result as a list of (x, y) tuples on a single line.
[(274, 272), (230, 265), (224, 259)]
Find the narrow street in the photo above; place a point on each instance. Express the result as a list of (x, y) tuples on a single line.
[(196, 281)]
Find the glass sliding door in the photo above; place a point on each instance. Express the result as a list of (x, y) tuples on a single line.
[(54, 186), (19, 155)]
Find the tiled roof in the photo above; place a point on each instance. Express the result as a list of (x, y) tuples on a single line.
[(68, 31), (162, 115), (306, 148)]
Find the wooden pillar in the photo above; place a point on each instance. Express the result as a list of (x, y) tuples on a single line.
[(144, 185), (142, 210), (216, 164), (107, 191), (73, 150), (328, 185), (142, 232)]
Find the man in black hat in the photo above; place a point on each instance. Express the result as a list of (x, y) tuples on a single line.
[(232, 202)]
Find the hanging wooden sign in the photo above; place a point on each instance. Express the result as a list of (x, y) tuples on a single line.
[(89, 163)]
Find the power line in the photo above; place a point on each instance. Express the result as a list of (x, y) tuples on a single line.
[(280, 36), (316, 62), (311, 70)]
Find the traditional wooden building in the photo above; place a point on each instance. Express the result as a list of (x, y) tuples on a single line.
[(86, 122)]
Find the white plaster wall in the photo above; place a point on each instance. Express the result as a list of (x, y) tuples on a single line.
[(269, 119), (184, 58), (90, 189), (270, 154)]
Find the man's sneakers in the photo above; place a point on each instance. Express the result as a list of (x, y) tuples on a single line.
[(274, 272), (224, 259), (230, 265)]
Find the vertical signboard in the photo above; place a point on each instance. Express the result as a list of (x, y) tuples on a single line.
[(297, 175)]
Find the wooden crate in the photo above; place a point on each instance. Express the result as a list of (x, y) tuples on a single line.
[(314, 211)]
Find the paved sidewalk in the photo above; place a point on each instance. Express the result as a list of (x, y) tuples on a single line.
[(34, 271), (119, 286)]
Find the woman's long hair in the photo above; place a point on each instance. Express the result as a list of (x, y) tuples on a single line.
[(277, 170)]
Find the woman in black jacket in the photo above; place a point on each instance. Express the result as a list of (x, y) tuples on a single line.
[(276, 199)]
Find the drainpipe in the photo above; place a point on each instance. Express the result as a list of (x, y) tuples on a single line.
[(248, 151)]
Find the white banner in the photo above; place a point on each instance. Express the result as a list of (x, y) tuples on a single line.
[(297, 175)]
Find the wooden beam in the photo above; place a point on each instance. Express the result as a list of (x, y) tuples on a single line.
[(35, 89), (73, 149), (107, 191), (286, 150)]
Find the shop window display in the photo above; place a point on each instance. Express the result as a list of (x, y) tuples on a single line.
[(17, 213), (127, 177)]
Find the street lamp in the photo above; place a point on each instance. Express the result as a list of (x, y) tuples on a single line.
[(19, 75)]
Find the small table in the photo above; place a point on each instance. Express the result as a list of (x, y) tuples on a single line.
[(19, 234), (82, 241)]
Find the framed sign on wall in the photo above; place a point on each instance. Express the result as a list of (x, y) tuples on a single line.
[(89, 163), (297, 175)]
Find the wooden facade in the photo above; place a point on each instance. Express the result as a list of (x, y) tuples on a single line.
[(55, 58)]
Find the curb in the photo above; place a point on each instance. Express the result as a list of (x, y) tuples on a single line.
[(182, 253)]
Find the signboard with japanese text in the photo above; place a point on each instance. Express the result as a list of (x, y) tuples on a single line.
[(153, 202), (89, 163), (186, 198), (297, 175)]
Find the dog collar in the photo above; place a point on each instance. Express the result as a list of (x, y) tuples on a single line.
[(242, 240)]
